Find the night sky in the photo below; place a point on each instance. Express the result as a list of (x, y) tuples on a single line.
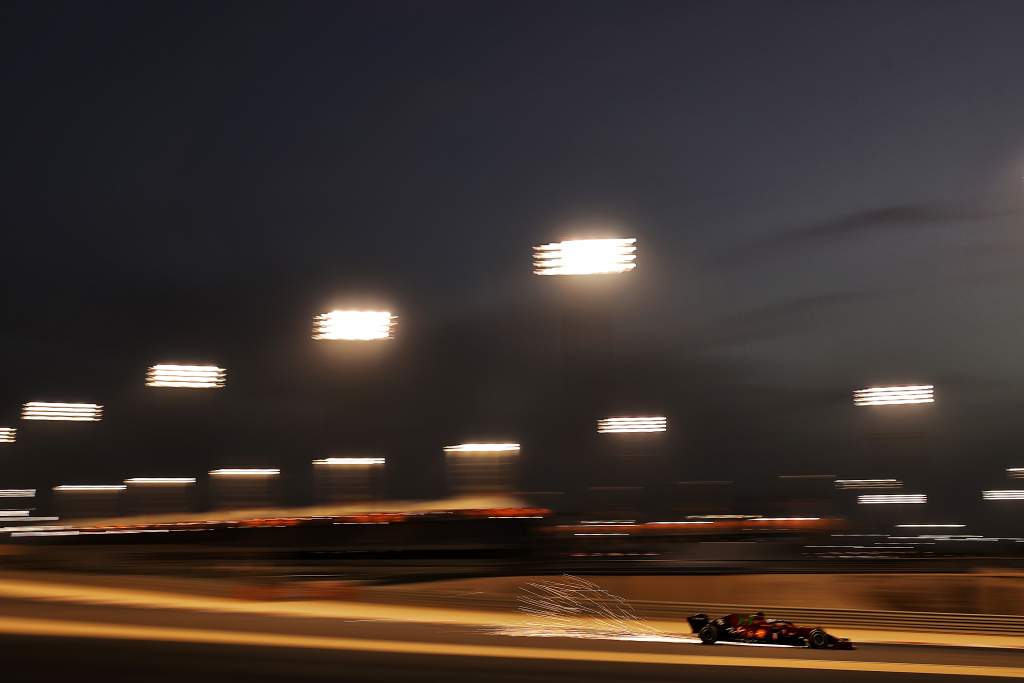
[(826, 195)]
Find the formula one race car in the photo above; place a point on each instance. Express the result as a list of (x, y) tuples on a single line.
[(755, 628)]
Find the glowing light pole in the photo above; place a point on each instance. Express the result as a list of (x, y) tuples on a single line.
[(482, 467), (244, 487), (347, 479), (153, 495), (88, 500), (573, 258), (903, 449)]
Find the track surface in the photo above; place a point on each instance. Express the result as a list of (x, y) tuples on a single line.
[(126, 644)]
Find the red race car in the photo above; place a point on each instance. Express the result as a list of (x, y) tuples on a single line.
[(755, 628)]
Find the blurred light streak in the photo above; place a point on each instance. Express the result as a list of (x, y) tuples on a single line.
[(1003, 495), (44, 533), (601, 534), (689, 522), (606, 522), (67, 412), (8, 435), (14, 513), (585, 257), (353, 325), (350, 461), (186, 376), (124, 531), (869, 483), (784, 519), (631, 425), (891, 396), (90, 487), (931, 526), (17, 493), (893, 498), (31, 527), (483, 448), (26, 519), (245, 472), (1015, 472), (169, 481)]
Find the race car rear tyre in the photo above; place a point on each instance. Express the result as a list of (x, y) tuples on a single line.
[(817, 639), (709, 634)]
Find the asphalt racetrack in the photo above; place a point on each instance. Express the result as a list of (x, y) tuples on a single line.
[(54, 641)]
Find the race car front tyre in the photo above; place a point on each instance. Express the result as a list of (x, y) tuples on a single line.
[(817, 639), (709, 634)]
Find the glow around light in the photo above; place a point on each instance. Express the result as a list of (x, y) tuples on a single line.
[(585, 257), (632, 425), (894, 396), (245, 472), (186, 376), (90, 487), (1003, 495), (167, 481), (892, 498), (869, 483), (8, 435), (352, 462), (354, 325), (483, 448), (65, 412)]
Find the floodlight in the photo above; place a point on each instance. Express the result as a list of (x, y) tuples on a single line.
[(354, 325), (585, 257), (891, 396), (69, 412), (631, 425), (186, 376), (893, 498)]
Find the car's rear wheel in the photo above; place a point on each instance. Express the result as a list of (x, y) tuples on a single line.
[(709, 634), (817, 639)]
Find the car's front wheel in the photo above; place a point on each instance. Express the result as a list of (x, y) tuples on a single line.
[(709, 634), (817, 639)]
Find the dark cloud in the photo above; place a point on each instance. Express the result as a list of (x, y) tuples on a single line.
[(792, 315), (873, 221)]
